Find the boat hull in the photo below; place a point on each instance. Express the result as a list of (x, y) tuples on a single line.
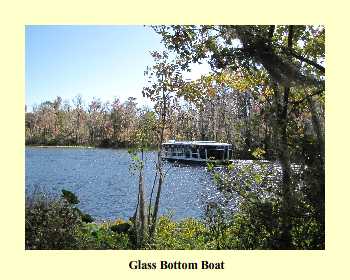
[(196, 161)]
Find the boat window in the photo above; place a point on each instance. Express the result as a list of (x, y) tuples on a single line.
[(202, 153), (215, 154)]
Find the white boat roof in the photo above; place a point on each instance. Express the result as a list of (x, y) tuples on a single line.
[(199, 143)]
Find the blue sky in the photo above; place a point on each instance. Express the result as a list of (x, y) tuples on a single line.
[(93, 61)]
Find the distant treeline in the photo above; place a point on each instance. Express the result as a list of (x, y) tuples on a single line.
[(231, 117)]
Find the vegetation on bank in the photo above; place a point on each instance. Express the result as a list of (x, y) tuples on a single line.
[(56, 223)]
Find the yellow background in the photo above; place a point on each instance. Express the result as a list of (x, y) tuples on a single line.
[(16, 263)]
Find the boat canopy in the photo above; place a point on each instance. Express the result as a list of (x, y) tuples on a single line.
[(195, 143)]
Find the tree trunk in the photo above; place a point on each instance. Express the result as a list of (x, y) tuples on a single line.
[(142, 205), (317, 128), (280, 128), (283, 154), (319, 187), (159, 168)]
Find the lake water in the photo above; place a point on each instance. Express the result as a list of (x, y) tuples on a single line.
[(105, 185)]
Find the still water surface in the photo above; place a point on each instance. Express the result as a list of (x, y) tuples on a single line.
[(105, 185)]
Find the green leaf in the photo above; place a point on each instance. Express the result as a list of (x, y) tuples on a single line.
[(258, 153)]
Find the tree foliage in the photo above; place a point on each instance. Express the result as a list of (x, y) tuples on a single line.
[(282, 69)]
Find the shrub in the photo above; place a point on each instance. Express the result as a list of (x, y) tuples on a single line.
[(254, 208), (186, 234), (101, 237), (120, 226), (70, 197), (54, 223), (50, 223)]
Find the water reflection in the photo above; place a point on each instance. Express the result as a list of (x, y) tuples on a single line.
[(106, 186)]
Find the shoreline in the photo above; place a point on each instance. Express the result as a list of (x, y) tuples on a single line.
[(82, 147), (52, 146)]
